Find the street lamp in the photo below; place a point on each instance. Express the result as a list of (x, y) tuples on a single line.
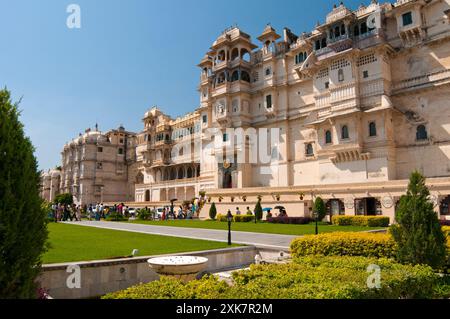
[(229, 219), (316, 217)]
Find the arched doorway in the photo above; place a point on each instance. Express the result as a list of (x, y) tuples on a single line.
[(147, 195)]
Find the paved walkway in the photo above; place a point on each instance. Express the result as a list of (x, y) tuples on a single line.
[(238, 237)]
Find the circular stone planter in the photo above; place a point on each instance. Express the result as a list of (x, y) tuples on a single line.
[(185, 268)]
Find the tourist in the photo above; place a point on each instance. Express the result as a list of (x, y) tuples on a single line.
[(89, 212), (78, 213), (268, 215), (249, 212), (238, 212), (163, 215)]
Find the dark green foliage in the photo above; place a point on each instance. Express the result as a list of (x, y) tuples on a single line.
[(319, 208), (145, 214), (213, 211), (418, 233), (23, 229), (64, 199), (116, 217), (258, 210)]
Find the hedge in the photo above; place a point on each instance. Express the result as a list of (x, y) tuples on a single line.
[(369, 221), (236, 218), (290, 220), (305, 278), (345, 244)]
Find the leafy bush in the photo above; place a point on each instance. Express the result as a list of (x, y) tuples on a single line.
[(446, 231), (418, 233), (344, 244), (221, 218), (243, 218), (144, 214), (116, 217), (213, 211), (305, 278), (64, 199), (290, 220), (368, 221)]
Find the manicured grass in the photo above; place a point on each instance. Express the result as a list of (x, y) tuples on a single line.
[(79, 243), (261, 227)]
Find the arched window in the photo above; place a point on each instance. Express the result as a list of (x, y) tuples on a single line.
[(372, 129), (189, 173), (245, 76), (235, 76), (234, 54), (245, 55), (328, 139), (337, 32), (421, 133), (324, 42), (356, 30), (344, 133), (180, 153), (309, 150), (173, 174), (147, 195), (180, 173)]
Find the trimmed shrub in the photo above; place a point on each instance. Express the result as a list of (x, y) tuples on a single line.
[(418, 235), (320, 209), (345, 244), (116, 217), (315, 277), (258, 210), (290, 220), (243, 218), (144, 214), (213, 211), (367, 221)]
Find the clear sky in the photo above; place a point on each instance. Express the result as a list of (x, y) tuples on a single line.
[(127, 56)]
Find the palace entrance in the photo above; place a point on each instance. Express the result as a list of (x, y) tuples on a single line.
[(369, 206)]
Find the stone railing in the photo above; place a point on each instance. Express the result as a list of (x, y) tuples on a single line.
[(422, 80), (337, 14)]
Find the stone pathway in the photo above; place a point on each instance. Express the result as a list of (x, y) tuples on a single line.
[(261, 240)]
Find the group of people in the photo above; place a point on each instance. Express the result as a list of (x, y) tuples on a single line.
[(282, 212), (99, 211), (183, 212), (65, 212)]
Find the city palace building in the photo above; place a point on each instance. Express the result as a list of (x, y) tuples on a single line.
[(359, 103)]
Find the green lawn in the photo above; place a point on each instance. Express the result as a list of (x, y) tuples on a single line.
[(257, 228), (79, 243)]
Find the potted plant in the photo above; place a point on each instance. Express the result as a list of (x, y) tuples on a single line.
[(244, 198), (209, 199), (220, 199), (301, 195), (232, 199), (278, 197)]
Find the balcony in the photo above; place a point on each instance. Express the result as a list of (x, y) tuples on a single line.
[(347, 152), (423, 81)]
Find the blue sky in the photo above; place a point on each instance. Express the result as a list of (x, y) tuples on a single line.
[(127, 56)]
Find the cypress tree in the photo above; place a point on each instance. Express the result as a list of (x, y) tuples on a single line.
[(23, 230), (212, 211), (418, 233), (258, 210), (319, 208)]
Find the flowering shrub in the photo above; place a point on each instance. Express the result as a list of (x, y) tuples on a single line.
[(317, 277), (369, 221), (345, 244), (290, 220)]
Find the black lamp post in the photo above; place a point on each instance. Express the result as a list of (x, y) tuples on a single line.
[(316, 217), (229, 219), (171, 206)]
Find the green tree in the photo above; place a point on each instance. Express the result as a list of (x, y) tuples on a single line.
[(319, 208), (23, 229), (213, 211), (258, 210), (64, 199), (418, 233)]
